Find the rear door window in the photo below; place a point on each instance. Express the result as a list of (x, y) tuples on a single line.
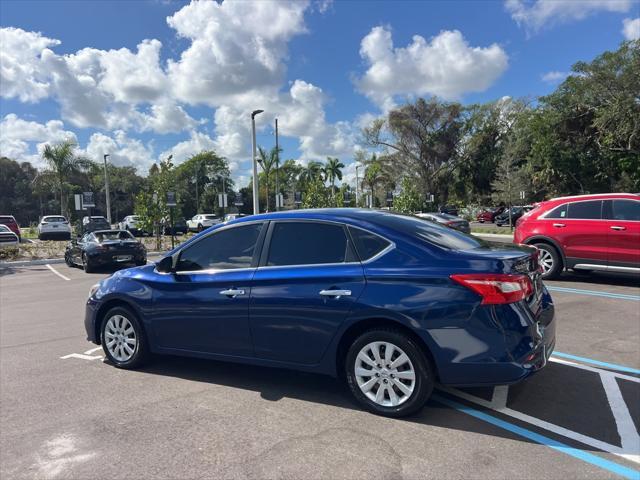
[(308, 243), (558, 212), (367, 244), (625, 210), (591, 210)]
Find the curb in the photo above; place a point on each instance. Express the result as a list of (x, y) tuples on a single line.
[(493, 235), (45, 261)]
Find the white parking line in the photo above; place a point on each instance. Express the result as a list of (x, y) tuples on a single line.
[(629, 438), (81, 356), (57, 272), (92, 350)]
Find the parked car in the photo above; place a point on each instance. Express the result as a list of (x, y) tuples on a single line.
[(516, 213), (448, 220), (179, 226), (201, 221), (449, 210), (11, 223), (488, 215), (232, 216), (131, 223), (7, 237), (586, 232), (390, 302), (93, 223), (105, 247), (54, 226)]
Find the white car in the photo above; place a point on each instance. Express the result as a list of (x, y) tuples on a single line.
[(7, 237), (54, 226), (131, 224), (201, 221)]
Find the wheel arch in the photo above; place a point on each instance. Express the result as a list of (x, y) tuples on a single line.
[(361, 326), (108, 305), (548, 241)]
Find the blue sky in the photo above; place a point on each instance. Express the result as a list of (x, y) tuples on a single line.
[(76, 69)]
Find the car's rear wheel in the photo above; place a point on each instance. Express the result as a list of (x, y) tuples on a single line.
[(549, 260), (67, 259), (86, 264), (388, 374), (200, 227), (123, 339)]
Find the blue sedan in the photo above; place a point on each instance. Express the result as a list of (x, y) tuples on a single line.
[(391, 303)]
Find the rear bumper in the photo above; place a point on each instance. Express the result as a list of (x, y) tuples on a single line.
[(502, 345), (108, 258)]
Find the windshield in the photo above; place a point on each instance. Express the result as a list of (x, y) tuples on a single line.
[(114, 235), (4, 229), (210, 217)]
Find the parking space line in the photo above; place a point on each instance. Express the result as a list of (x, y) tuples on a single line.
[(541, 439), (629, 438), (611, 366), (594, 293), (592, 442), (57, 272)]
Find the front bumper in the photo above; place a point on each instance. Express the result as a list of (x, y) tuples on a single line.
[(90, 314)]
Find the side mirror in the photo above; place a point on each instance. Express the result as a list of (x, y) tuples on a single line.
[(165, 265)]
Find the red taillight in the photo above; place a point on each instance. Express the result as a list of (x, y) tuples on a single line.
[(496, 288)]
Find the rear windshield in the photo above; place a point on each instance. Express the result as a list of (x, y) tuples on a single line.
[(4, 219), (4, 229), (116, 235), (431, 232), (210, 217), (54, 219)]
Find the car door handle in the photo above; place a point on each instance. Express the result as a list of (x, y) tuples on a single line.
[(617, 227), (232, 292), (559, 225), (335, 293)]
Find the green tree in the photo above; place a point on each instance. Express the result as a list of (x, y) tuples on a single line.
[(409, 200), (195, 178), (267, 161), (311, 173), (332, 172), (63, 162), (315, 195)]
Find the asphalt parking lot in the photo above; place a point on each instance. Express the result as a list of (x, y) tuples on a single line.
[(64, 413)]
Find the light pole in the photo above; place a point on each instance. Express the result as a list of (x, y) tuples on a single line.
[(256, 204), (357, 186), (106, 187), (277, 168)]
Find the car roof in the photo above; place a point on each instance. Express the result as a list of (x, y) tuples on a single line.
[(596, 196)]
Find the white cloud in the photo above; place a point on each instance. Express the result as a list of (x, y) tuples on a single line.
[(631, 28), (445, 66), (236, 48), (545, 13), (23, 140), (122, 150), (554, 77), (197, 142), (21, 73)]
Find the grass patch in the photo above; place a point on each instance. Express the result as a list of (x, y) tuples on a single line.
[(493, 230)]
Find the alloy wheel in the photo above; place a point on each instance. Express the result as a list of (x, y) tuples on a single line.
[(546, 260), (120, 338), (385, 374)]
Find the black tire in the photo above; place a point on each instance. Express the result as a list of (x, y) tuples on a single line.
[(67, 260), (86, 264), (141, 350), (556, 260), (200, 227), (424, 376)]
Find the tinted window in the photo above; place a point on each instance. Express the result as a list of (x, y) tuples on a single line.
[(585, 210), (558, 212), (114, 235), (367, 244), (626, 210), (431, 232), (308, 243), (54, 219), (225, 249)]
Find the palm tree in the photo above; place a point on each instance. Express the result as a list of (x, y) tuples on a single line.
[(312, 173), (63, 163), (333, 171), (267, 161), (373, 176)]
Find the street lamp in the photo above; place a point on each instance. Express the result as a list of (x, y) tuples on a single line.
[(106, 187), (277, 167), (256, 205), (357, 187)]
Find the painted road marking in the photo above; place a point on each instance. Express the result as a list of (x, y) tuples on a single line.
[(610, 366), (594, 293), (629, 438), (57, 272), (541, 439), (92, 350), (81, 356)]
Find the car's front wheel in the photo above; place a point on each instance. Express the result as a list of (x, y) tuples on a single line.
[(123, 339), (388, 373), (86, 264)]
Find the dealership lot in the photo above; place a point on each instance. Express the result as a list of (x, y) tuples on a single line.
[(67, 414)]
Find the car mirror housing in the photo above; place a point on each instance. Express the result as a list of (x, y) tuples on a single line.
[(165, 265)]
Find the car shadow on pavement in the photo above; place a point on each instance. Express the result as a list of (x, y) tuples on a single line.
[(559, 394)]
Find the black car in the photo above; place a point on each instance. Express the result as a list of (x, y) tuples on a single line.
[(94, 223), (179, 226), (516, 213), (450, 221), (449, 210), (105, 247)]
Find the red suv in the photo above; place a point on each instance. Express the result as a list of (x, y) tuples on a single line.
[(586, 232), (10, 222)]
